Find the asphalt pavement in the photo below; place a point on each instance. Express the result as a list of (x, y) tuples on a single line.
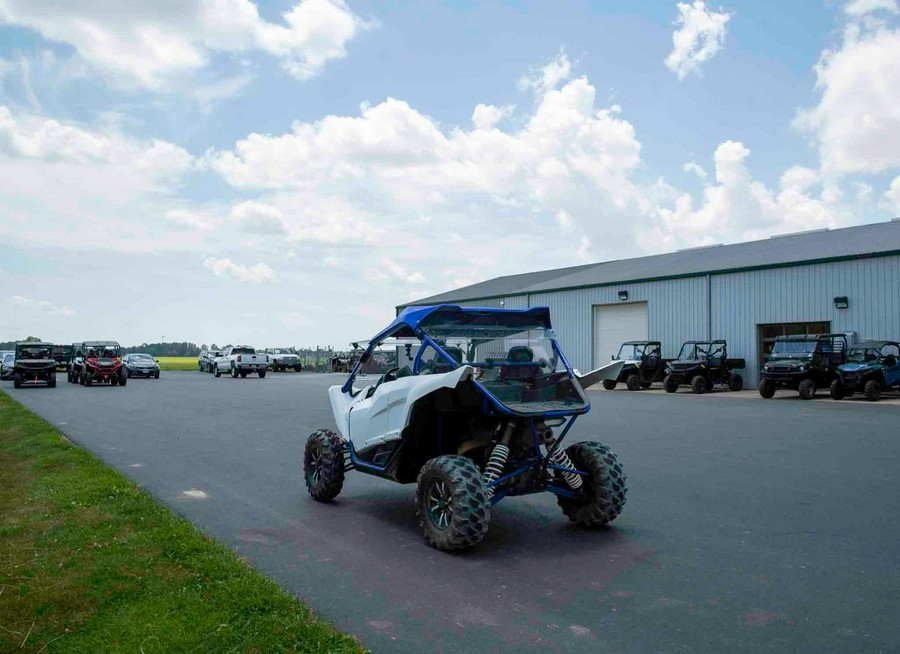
[(751, 525)]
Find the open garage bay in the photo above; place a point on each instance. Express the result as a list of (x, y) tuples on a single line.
[(751, 525)]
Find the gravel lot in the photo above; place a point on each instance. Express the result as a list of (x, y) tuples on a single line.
[(751, 525)]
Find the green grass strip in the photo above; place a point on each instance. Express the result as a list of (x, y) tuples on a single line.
[(90, 563)]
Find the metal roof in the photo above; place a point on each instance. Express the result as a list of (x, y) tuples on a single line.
[(789, 249)]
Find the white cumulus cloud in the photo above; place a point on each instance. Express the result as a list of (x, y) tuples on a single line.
[(184, 219), (41, 305), (259, 218), (257, 273), (862, 7), (699, 37), (148, 44)]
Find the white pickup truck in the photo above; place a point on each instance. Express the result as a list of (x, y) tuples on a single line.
[(240, 360), (281, 359)]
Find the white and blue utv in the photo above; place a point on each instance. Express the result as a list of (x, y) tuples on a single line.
[(474, 409)]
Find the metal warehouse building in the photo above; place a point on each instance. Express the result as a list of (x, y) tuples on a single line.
[(842, 280)]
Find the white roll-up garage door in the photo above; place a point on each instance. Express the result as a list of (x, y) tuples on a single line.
[(616, 323)]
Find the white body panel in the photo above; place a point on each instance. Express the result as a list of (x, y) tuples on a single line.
[(615, 324), (369, 421)]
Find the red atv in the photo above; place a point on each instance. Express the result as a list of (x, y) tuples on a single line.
[(101, 363)]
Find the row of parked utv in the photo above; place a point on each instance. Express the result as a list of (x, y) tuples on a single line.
[(804, 363), (86, 363)]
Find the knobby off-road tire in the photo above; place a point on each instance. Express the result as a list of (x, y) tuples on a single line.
[(670, 384), (17, 380), (872, 390), (766, 388), (837, 390), (633, 383), (609, 384), (123, 379), (323, 465), (88, 379), (604, 488), (51, 380), (735, 382), (452, 504), (699, 385), (807, 389)]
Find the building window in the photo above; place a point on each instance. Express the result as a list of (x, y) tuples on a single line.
[(768, 333)]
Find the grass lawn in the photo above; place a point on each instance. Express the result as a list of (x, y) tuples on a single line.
[(90, 563), (177, 363)]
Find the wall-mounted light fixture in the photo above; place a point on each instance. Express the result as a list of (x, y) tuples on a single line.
[(502, 303), (841, 302), (623, 295)]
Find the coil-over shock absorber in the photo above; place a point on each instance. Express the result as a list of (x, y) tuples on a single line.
[(497, 461), (558, 456)]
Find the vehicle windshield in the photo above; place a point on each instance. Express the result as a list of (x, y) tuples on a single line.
[(140, 356), (698, 350), (9, 358), (34, 352), (278, 351), (521, 368), (863, 355), (101, 351), (631, 351), (794, 347)]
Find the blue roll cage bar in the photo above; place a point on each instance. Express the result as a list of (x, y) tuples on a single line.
[(491, 404)]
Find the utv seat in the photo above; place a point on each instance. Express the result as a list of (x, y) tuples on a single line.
[(520, 354), (441, 365)]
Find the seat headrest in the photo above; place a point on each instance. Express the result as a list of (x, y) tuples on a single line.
[(520, 354)]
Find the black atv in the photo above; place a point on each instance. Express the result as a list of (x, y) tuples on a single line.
[(35, 365), (871, 368), (804, 363), (643, 365), (704, 365)]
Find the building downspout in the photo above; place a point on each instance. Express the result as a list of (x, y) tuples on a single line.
[(709, 306)]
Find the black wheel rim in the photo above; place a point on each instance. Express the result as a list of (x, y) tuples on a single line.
[(313, 466), (438, 505)]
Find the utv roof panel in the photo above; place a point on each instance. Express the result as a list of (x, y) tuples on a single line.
[(873, 345), (34, 344), (412, 319), (91, 343)]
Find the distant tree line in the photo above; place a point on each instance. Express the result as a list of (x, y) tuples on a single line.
[(183, 349)]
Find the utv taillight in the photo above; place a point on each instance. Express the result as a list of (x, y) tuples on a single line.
[(239, 358)]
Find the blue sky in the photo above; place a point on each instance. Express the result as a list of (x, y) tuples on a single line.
[(286, 172)]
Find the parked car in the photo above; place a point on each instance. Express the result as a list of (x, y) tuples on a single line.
[(7, 361), (207, 359), (34, 365), (241, 360), (100, 362), (804, 363), (871, 367), (479, 416), (642, 365), (141, 365), (63, 356), (703, 365), (283, 359)]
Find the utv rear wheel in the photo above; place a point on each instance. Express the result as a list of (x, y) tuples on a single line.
[(837, 390), (698, 384), (735, 382), (872, 390), (766, 388), (670, 384), (323, 465), (604, 488), (609, 384), (452, 503), (88, 380), (633, 383), (807, 389)]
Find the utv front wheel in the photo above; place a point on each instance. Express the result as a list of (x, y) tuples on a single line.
[(51, 380), (609, 384), (17, 380), (807, 389), (670, 384), (766, 389), (603, 489), (323, 465), (837, 390), (872, 390), (699, 385), (452, 503), (633, 383), (735, 382)]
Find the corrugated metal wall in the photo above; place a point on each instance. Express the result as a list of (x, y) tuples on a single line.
[(739, 302)]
